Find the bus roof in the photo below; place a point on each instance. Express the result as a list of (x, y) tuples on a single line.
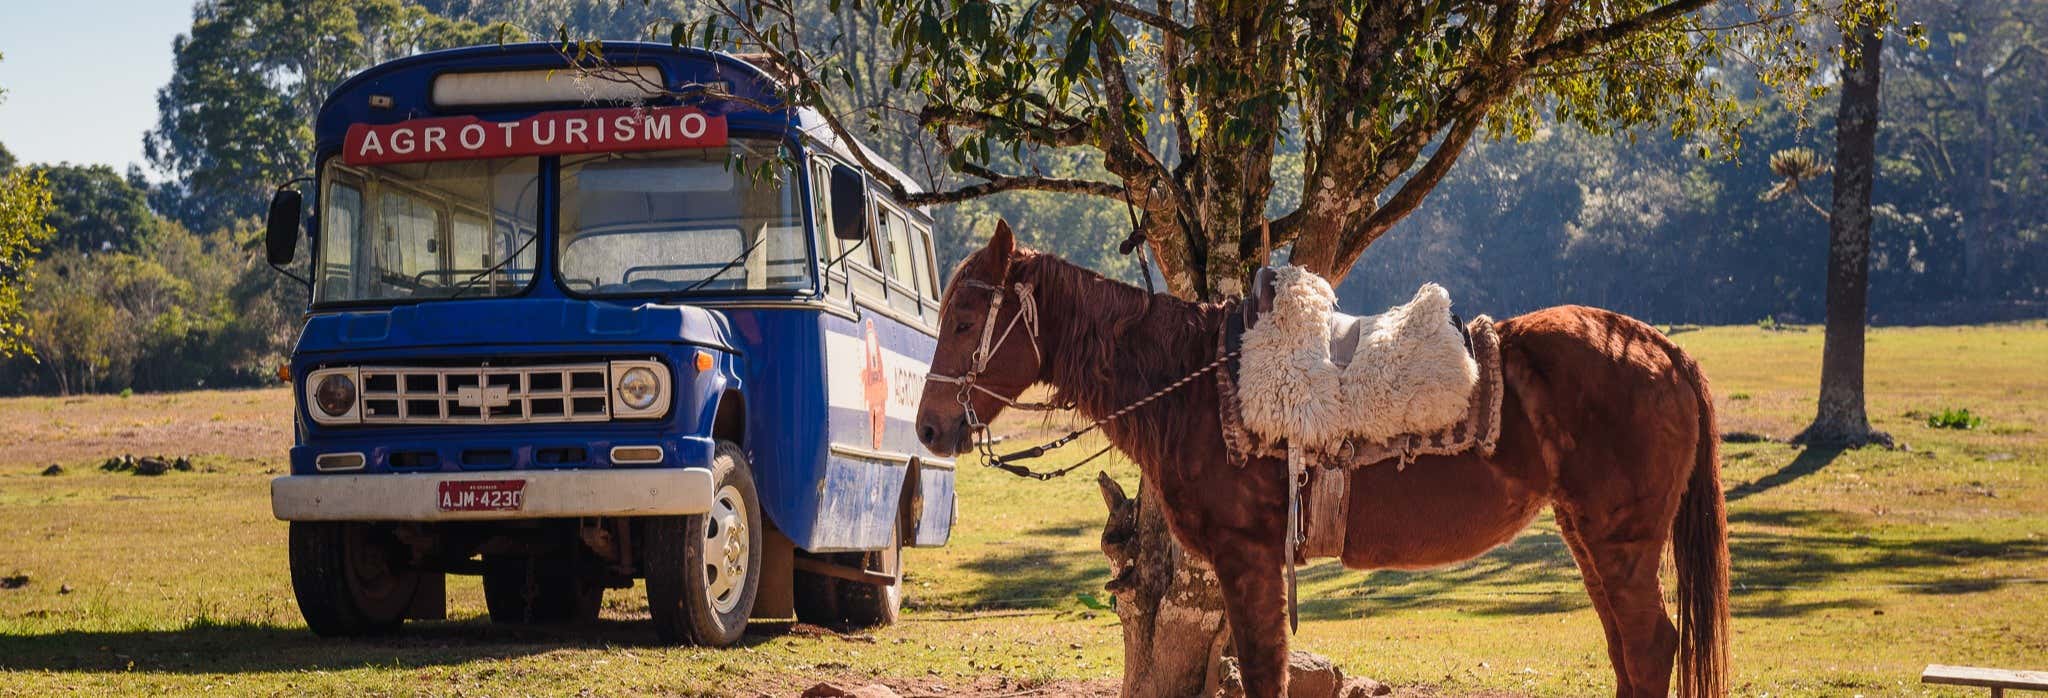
[(403, 89)]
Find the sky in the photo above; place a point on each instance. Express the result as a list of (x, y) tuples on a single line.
[(81, 76)]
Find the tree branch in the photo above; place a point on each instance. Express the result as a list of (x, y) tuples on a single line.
[(1160, 20), (1410, 195), (998, 183), (1071, 132), (1578, 44)]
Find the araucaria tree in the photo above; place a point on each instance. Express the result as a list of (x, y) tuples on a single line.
[(1195, 112)]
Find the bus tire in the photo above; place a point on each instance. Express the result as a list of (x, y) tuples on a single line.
[(350, 579), (704, 569), (817, 599), (873, 605), (520, 590)]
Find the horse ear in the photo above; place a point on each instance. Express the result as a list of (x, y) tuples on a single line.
[(1003, 242)]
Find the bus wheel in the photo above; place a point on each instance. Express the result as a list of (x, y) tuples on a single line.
[(703, 569), (869, 605), (350, 578), (817, 599), (525, 590)]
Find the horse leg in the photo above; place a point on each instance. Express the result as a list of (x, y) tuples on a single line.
[(1255, 599), (1619, 563), (1590, 574)]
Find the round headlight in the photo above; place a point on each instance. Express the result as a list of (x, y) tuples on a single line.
[(335, 395), (638, 388)]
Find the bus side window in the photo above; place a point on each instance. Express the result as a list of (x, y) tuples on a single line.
[(928, 265), (903, 293), (864, 273), (821, 207), (876, 255)]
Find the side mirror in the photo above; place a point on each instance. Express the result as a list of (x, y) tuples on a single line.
[(849, 204), (281, 229)]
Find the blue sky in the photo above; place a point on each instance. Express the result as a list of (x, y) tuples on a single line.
[(81, 76)]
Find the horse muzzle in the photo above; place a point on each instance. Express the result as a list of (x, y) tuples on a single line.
[(945, 437)]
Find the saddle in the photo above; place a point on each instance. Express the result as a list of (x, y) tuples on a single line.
[(1331, 392)]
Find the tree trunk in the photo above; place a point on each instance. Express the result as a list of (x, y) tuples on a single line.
[(1168, 601), (1841, 420)]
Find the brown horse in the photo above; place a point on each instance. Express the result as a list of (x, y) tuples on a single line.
[(1604, 419)]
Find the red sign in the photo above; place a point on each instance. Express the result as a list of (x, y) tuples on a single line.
[(483, 495), (550, 133)]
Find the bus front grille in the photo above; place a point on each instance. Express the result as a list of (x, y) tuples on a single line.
[(485, 395)]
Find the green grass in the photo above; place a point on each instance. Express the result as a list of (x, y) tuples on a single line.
[(1853, 568)]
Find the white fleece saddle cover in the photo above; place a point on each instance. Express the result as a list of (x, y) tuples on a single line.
[(1315, 378)]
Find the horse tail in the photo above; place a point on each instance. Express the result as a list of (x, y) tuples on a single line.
[(1699, 546)]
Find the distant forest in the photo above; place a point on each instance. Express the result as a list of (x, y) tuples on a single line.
[(154, 279)]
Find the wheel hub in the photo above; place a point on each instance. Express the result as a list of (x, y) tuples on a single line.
[(725, 549)]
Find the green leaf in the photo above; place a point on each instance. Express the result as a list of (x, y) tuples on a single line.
[(1076, 61)]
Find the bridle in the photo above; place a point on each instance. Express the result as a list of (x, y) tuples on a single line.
[(969, 383)]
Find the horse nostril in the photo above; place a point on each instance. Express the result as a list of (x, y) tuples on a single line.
[(927, 434)]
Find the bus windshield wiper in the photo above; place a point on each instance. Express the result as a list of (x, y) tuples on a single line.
[(470, 283), (735, 261)]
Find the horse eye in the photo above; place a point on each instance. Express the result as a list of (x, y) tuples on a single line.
[(962, 328)]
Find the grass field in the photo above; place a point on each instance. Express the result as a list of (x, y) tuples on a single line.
[(1852, 568)]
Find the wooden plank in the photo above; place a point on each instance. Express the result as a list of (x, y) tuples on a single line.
[(1985, 677)]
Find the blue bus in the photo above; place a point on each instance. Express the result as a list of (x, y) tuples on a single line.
[(572, 330)]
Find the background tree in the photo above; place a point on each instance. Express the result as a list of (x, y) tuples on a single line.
[(24, 204), (24, 208), (93, 208), (1841, 419), (236, 118)]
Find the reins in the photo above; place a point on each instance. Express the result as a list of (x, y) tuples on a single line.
[(1027, 315)]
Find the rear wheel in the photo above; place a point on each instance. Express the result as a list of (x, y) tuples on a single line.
[(529, 590), (868, 605), (704, 569), (350, 578), (844, 603)]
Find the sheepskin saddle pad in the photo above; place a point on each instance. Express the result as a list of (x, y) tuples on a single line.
[(1316, 378)]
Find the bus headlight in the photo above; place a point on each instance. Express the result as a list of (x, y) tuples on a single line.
[(332, 396), (639, 389)]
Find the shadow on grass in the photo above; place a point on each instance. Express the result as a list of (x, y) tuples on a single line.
[(1809, 461), (227, 648), (1034, 577), (1820, 564)]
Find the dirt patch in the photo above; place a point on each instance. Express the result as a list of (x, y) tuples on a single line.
[(934, 687)]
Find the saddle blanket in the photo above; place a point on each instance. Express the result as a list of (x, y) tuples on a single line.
[(1314, 377), (1322, 466)]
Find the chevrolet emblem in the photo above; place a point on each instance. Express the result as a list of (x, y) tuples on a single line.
[(483, 397)]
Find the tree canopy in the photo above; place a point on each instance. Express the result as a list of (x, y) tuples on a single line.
[(1187, 105), (236, 118)]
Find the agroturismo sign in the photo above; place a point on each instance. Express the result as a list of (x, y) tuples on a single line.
[(550, 133)]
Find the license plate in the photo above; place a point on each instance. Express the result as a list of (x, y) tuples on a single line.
[(483, 495)]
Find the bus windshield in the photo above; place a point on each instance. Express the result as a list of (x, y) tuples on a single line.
[(426, 230), (720, 219)]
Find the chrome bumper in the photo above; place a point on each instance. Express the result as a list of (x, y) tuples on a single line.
[(546, 494)]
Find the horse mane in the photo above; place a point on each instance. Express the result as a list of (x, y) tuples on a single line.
[(1108, 344)]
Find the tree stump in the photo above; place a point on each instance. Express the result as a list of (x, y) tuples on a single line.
[(1171, 609), (1168, 601)]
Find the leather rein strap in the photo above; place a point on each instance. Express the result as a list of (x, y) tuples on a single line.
[(1027, 316)]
